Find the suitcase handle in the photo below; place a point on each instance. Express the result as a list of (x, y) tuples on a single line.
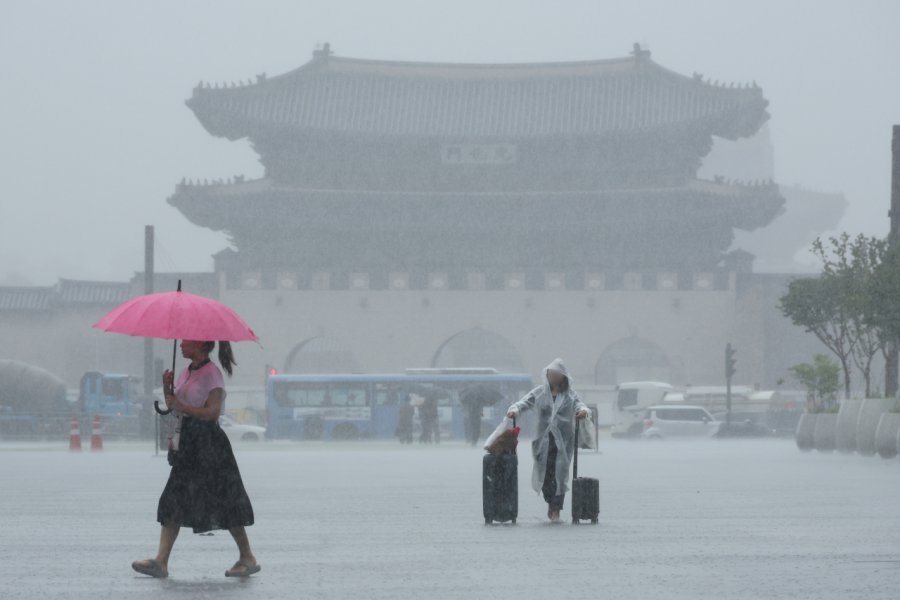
[(575, 459)]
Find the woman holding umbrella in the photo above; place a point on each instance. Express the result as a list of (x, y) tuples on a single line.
[(558, 406), (204, 490)]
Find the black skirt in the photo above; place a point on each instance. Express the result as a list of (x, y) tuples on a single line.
[(204, 491)]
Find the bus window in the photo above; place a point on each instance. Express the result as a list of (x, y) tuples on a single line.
[(387, 395), (300, 394), (422, 391), (371, 404), (346, 395)]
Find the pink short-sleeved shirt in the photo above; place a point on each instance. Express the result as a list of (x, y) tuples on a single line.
[(193, 387)]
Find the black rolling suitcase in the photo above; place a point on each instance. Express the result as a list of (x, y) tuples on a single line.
[(585, 491), (500, 487)]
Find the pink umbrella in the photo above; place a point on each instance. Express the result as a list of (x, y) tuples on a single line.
[(177, 316)]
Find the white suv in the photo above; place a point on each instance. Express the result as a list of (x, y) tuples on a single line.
[(679, 421), (240, 432)]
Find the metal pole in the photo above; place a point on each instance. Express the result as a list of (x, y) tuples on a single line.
[(148, 342), (728, 374), (175, 342), (575, 460), (894, 236), (893, 353)]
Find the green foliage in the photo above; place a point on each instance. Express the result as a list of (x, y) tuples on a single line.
[(815, 304), (821, 378), (850, 307)]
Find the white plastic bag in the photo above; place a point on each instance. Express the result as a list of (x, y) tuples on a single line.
[(587, 435), (505, 425)]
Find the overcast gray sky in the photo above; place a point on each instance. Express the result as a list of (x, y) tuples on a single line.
[(95, 133)]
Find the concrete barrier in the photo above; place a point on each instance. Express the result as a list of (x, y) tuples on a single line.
[(886, 435), (845, 438), (898, 442), (806, 427), (824, 432), (869, 414)]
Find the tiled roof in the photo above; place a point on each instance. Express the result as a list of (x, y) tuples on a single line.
[(27, 298), (355, 96), (200, 283), (221, 206), (93, 292), (66, 292)]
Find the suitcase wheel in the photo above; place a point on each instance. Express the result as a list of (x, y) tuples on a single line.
[(594, 521), (487, 521), (513, 521)]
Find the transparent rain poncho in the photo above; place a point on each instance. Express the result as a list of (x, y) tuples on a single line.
[(556, 417)]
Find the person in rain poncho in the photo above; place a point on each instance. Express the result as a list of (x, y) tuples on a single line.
[(558, 406)]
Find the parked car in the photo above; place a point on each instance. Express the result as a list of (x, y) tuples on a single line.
[(743, 424), (241, 432), (631, 402), (674, 421)]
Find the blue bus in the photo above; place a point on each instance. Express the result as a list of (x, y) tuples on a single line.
[(352, 406)]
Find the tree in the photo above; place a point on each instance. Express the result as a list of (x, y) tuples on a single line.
[(821, 380), (851, 264), (813, 303), (838, 306)]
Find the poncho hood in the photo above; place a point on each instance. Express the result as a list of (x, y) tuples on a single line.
[(560, 367)]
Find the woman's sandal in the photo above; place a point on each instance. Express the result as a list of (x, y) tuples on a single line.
[(150, 567), (242, 569)]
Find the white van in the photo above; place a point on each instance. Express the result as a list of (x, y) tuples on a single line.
[(685, 420), (632, 399)]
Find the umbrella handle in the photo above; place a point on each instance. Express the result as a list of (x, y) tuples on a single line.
[(174, 349)]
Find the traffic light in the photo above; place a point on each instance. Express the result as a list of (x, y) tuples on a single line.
[(270, 370), (729, 361)]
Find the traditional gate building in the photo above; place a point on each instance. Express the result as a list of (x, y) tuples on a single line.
[(420, 214)]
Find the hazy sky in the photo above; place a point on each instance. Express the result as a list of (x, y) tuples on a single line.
[(95, 133)]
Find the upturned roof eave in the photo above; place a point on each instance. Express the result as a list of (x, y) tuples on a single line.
[(207, 102)]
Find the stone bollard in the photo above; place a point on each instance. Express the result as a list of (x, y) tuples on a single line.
[(824, 432), (869, 414), (898, 442), (806, 427), (886, 435), (845, 438)]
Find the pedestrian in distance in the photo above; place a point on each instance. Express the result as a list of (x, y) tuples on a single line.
[(405, 416)]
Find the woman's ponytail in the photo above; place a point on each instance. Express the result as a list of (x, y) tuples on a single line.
[(226, 357)]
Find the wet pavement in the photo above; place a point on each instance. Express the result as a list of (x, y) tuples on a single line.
[(707, 519)]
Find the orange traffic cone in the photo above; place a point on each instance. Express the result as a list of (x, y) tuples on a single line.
[(74, 436), (96, 435)]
